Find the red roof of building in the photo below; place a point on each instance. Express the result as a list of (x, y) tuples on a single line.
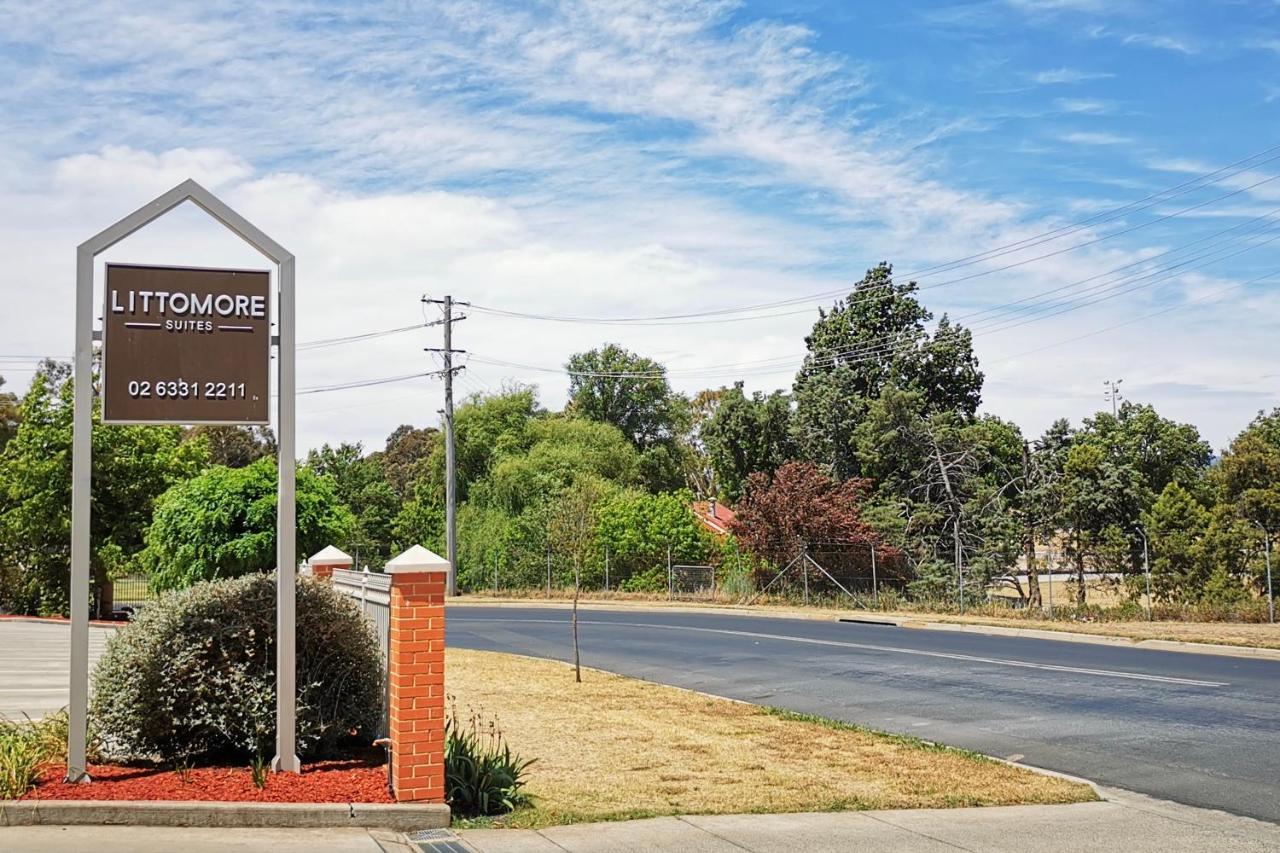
[(714, 516)]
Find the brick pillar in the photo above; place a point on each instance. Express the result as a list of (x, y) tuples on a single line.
[(415, 669), (323, 563)]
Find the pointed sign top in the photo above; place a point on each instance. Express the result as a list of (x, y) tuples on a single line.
[(417, 559), (202, 198)]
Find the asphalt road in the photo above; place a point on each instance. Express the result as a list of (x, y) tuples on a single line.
[(1197, 729)]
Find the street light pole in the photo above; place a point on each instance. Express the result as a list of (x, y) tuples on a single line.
[(1113, 394)]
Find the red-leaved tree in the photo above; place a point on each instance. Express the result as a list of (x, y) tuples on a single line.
[(799, 509)]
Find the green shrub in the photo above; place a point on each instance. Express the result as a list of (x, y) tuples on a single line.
[(222, 524), (26, 747), (652, 579), (482, 776), (20, 764), (193, 677)]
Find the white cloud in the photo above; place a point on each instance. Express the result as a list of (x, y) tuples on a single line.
[(602, 158), (1085, 106), (1057, 76), (119, 167), (1059, 5), (1085, 137), (1161, 42)]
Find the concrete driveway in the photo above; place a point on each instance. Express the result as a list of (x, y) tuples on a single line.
[(34, 660)]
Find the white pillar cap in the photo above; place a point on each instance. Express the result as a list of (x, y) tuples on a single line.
[(331, 556), (417, 559)]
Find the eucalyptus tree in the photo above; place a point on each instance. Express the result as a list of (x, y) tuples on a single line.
[(876, 338), (747, 435)]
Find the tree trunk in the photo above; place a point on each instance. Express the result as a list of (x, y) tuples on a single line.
[(955, 525), (1033, 575), (577, 587), (955, 536), (1080, 592)]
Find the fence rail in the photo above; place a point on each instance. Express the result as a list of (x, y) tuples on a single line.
[(130, 594), (373, 593)]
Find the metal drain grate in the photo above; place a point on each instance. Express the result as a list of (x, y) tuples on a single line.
[(438, 841), (432, 835)]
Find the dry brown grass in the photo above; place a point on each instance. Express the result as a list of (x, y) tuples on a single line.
[(1225, 633), (616, 748)]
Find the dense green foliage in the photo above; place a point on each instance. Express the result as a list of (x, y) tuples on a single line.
[(874, 339), (746, 435), (638, 530), (234, 446), (361, 484), (194, 676), (614, 386), (132, 467), (10, 416), (878, 440), (222, 524)]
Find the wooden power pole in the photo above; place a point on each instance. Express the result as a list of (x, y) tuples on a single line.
[(450, 477)]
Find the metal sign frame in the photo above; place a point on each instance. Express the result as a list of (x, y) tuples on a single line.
[(286, 758)]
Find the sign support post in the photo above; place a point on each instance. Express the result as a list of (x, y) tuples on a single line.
[(286, 758), (82, 470)]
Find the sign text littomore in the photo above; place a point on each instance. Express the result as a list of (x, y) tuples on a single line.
[(186, 346)]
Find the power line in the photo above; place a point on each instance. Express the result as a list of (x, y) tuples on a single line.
[(1141, 317), (365, 383), (885, 347), (330, 342), (970, 260)]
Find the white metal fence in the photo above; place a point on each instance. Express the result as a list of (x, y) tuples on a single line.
[(373, 593)]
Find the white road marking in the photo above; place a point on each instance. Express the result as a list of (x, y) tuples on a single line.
[(1050, 667)]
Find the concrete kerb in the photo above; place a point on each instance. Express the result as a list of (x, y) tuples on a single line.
[(1254, 652), (399, 818)]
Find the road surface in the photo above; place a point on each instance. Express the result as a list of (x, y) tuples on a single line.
[(1198, 729)]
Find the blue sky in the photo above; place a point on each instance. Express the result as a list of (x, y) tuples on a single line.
[(614, 159)]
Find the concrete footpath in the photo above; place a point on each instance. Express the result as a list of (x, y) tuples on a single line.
[(166, 839), (1125, 822)]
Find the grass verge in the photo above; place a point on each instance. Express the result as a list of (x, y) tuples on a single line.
[(615, 748), (1250, 634)]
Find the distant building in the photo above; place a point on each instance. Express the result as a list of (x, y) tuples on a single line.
[(714, 516)]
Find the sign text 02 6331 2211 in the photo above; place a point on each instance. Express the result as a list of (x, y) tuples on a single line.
[(186, 346)]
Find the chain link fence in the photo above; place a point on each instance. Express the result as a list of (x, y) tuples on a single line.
[(831, 571)]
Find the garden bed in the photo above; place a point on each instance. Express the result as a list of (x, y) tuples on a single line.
[(337, 781)]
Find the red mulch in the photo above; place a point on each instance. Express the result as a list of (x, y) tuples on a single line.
[(347, 781)]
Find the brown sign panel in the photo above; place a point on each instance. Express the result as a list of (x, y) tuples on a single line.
[(186, 346)]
